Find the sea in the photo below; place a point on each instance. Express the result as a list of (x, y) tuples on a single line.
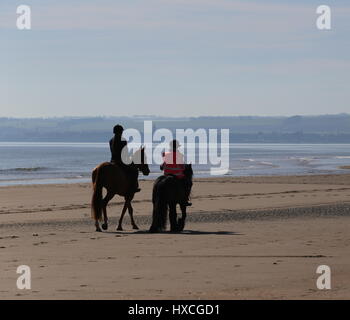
[(47, 163)]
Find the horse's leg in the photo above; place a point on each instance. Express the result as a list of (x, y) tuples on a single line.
[(131, 211), (97, 225), (172, 218), (120, 228), (182, 220), (105, 201)]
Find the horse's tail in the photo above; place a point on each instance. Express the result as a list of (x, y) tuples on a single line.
[(96, 201), (160, 206)]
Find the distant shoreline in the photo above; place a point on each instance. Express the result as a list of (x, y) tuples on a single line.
[(236, 178), (292, 178), (243, 129)]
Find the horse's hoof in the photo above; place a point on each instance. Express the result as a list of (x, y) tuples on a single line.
[(135, 227), (105, 226), (98, 230), (181, 227), (152, 229), (120, 228)]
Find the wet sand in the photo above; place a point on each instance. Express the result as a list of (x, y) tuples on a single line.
[(254, 237)]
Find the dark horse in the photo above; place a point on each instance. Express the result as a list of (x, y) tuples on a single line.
[(168, 191), (116, 181)]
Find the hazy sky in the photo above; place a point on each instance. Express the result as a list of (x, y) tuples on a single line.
[(174, 57)]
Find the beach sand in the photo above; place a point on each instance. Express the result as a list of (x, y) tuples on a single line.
[(246, 238)]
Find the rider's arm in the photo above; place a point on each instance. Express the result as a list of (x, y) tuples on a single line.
[(111, 145)]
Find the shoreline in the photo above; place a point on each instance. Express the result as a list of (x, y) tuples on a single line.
[(86, 181)]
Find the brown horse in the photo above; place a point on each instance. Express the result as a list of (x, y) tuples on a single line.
[(116, 181)]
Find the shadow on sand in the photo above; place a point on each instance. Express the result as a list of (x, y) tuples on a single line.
[(185, 232)]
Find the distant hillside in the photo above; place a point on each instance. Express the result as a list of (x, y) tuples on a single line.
[(296, 129)]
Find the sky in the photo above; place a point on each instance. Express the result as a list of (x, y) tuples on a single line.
[(174, 58)]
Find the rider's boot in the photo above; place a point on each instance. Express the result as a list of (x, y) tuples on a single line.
[(187, 203)]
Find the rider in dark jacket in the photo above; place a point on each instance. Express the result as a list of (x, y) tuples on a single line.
[(117, 144), (119, 151)]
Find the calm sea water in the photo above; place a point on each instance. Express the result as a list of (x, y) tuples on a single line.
[(44, 163)]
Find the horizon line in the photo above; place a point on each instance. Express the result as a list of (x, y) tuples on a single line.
[(176, 117)]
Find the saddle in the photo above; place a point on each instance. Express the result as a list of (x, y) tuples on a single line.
[(130, 170), (184, 183)]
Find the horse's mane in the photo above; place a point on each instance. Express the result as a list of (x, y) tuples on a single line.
[(139, 157), (188, 171)]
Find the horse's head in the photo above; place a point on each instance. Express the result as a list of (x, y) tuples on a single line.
[(140, 160)]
